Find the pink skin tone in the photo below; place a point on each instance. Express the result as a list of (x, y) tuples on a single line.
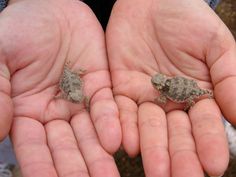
[(174, 38), (53, 137)]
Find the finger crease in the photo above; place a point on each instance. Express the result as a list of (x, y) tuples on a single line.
[(184, 151), (78, 173)]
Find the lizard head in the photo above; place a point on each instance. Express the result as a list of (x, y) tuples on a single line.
[(159, 81), (76, 96)]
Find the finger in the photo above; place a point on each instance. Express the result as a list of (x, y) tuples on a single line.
[(184, 159), (30, 144), (210, 138), (153, 140), (97, 83), (223, 53), (6, 106), (65, 152), (129, 124), (104, 113), (98, 161)]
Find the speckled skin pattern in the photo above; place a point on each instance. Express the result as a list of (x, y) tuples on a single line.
[(71, 86), (178, 89)]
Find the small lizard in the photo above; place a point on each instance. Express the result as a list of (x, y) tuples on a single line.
[(71, 86), (178, 89)]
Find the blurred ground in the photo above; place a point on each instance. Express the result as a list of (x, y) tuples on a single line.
[(227, 12)]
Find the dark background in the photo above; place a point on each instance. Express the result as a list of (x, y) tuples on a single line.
[(102, 9)]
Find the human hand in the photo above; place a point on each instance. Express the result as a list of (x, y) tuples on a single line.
[(51, 136), (174, 38)]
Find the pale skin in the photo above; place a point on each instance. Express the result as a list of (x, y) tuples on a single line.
[(174, 38), (59, 139), (53, 137)]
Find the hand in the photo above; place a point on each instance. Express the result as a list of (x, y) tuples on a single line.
[(174, 38), (51, 136)]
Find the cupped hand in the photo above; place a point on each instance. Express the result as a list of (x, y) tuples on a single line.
[(52, 136), (174, 38)]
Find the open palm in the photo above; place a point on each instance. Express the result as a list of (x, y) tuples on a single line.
[(174, 38), (51, 136)]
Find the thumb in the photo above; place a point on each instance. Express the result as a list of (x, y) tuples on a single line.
[(222, 62), (6, 105)]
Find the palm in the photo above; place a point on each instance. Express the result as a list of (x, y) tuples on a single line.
[(174, 38), (46, 130)]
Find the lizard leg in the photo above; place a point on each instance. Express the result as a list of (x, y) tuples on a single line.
[(87, 101), (61, 96), (190, 103), (161, 99), (209, 93), (80, 72)]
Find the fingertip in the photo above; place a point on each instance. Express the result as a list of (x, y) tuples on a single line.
[(130, 140), (111, 138), (214, 156), (210, 137), (129, 124), (98, 161), (105, 118)]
